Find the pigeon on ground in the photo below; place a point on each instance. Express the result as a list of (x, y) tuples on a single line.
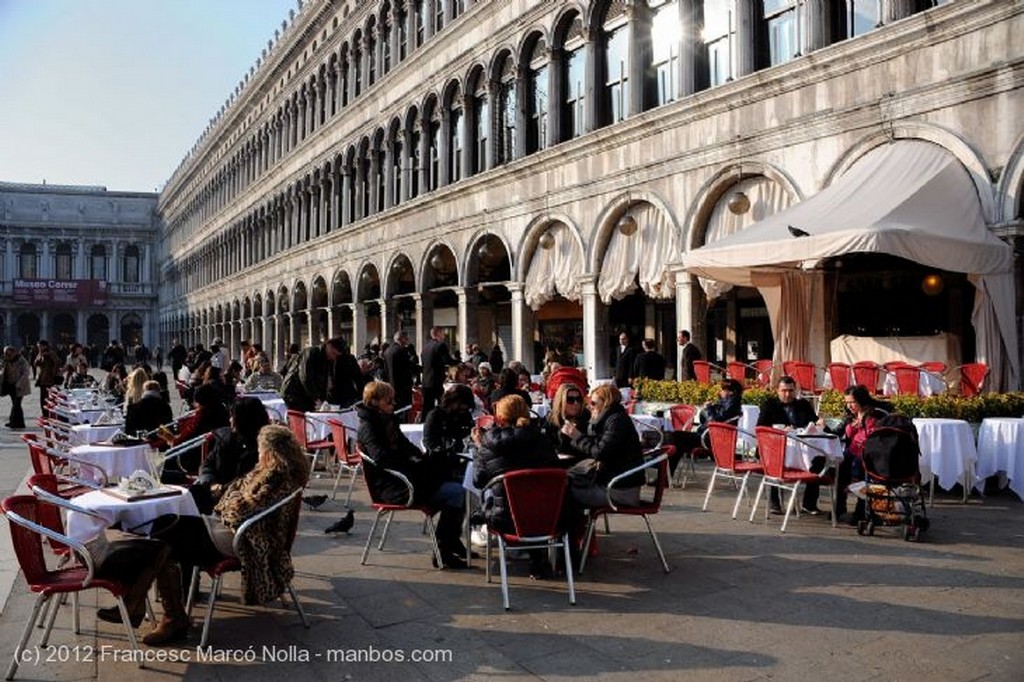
[(314, 501), (797, 232), (343, 525)]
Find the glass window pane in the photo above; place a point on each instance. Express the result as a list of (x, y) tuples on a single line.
[(616, 73)]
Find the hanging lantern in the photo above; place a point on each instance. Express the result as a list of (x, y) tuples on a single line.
[(738, 203), (627, 225), (932, 284), (547, 240), (437, 261)]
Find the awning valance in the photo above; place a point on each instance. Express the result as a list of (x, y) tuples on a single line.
[(640, 257)]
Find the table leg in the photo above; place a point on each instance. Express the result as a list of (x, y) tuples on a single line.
[(467, 528)]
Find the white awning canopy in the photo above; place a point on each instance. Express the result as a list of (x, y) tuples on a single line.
[(910, 199)]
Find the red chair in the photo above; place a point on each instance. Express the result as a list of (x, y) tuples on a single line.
[(78, 476), (866, 374), (738, 371), (723, 439), (935, 367), (645, 509), (771, 448), (893, 365), (972, 378), (286, 525), (534, 499), (702, 370), (764, 369), (300, 429), (803, 372), (682, 417), (417, 406), (27, 533), (345, 458), (839, 375), (388, 509), (908, 380)]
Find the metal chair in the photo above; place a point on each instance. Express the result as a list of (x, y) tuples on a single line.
[(908, 380), (300, 429), (723, 439), (803, 372), (839, 375), (645, 509), (682, 417), (27, 533), (201, 443), (534, 498), (866, 374), (764, 369), (702, 370), (232, 564), (771, 448), (971, 378), (345, 458)]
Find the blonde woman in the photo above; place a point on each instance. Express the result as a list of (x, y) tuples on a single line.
[(135, 386), (568, 406)]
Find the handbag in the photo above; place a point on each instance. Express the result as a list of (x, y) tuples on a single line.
[(584, 472)]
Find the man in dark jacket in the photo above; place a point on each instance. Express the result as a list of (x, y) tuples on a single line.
[(624, 361), (177, 354), (650, 364), (399, 370), (347, 380), (47, 371), (307, 381), (689, 353), (437, 358), (789, 412)]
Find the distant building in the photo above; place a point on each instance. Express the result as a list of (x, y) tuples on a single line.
[(77, 264)]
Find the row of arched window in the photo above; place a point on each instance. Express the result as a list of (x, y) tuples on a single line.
[(62, 263)]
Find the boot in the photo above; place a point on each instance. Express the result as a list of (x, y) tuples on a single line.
[(135, 595), (174, 625), (449, 529)]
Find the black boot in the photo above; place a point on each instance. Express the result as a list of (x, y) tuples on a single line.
[(449, 528)]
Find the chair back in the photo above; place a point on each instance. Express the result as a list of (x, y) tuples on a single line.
[(297, 425), (339, 436), (285, 513), (534, 499), (865, 373), (972, 378), (485, 421), (893, 365), (737, 371), (371, 470), (764, 369), (49, 514), (803, 372), (682, 417), (908, 380), (935, 367), (839, 374), (660, 484), (723, 438), (28, 544), (771, 448), (702, 370), (37, 452)]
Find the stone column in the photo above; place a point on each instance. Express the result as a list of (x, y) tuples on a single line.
[(520, 87), (592, 342), (389, 176), (345, 215), (374, 186), (591, 85), (522, 328), (442, 148), (422, 328), (747, 20), (556, 58), (424, 156), (386, 325), (639, 29), (684, 311), (463, 307), (410, 22), (358, 325)]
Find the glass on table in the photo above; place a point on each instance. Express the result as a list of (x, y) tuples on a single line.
[(156, 460)]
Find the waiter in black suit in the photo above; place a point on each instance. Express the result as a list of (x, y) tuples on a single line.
[(437, 358), (689, 353), (650, 364), (399, 368), (624, 364)]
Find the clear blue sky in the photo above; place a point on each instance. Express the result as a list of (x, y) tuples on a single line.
[(115, 92)]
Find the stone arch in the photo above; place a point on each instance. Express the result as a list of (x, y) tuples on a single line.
[(1010, 192), (615, 209)]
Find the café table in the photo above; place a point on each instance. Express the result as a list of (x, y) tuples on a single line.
[(74, 415), (1001, 451), (803, 448), (82, 527), (115, 460), (414, 432), (948, 453), (85, 434), (275, 406), (319, 428)]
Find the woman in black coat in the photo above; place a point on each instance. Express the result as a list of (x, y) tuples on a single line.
[(613, 445), (233, 454), (568, 406), (447, 427), (382, 440)]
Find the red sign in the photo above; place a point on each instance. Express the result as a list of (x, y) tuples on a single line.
[(52, 293)]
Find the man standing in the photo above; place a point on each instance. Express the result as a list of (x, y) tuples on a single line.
[(307, 381), (688, 353), (177, 354), (650, 364), (399, 370), (624, 365), (436, 360), (789, 412), (47, 371), (17, 384)]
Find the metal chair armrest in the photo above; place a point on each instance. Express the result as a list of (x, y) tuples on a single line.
[(255, 518), (66, 504), (626, 474), (76, 546)]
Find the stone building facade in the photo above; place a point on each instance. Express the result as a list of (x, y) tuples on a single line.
[(533, 173), (77, 264)]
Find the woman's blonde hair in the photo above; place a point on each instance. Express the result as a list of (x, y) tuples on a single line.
[(609, 395), (375, 391), (135, 385), (285, 451), (558, 403), (512, 411)]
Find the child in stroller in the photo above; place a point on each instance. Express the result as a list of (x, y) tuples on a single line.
[(891, 489)]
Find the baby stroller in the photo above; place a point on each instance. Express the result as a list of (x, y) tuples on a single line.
[(892, 490)]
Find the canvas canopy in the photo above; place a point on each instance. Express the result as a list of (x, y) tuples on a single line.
[(910, 199)]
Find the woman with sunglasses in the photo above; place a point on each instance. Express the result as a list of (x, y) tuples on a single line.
[(567, 407)]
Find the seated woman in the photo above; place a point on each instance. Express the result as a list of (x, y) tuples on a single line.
[(210, 414), (513, 444), (234, 452), (728, 407), (282, 468), (447, 427), (114, 383), (567, 406), (508, 384), (133, 387), (862, 415), (483, 384), (382, 441), (611, 447)]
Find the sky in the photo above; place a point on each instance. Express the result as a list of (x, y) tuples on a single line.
[(115, 92)]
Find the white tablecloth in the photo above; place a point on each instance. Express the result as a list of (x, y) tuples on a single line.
[(84, 434), (948, 451), (882, 349), (414, 432), (1001, 450), (82, 527), (800, 452), (317, 427), (276, 409), (748, 423), (116, 460), (76, 416)]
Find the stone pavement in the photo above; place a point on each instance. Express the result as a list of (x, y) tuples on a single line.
[(743, 602)]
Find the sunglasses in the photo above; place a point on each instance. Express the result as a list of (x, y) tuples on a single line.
[(574, 399)]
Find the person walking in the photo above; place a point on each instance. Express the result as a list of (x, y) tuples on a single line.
[(177, 355), (437, 358), (688, 353), (17, 383), (307, 382), (47, 371)]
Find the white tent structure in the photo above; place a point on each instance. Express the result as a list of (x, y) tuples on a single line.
[(910, 199)]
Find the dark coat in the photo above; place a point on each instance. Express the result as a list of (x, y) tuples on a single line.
[(613, 441), (505, 449), (230, 458), (347, 382), (772, 412), (382, 441), (306, 380), (499, 393), (436, 361), (149, 412), (443, 432), (649, 365), (398, 366), (690, 353), (624, 366)]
